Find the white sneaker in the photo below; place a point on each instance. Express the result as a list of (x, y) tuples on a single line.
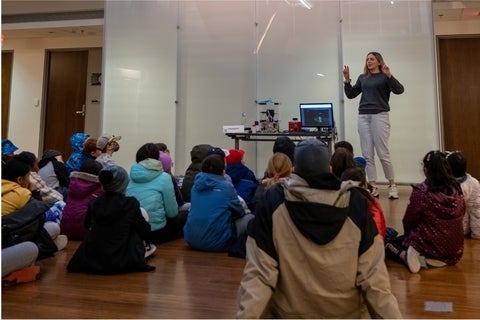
[(392, 192), (61, 241), (413, 260), (374, 192), (150, 249), (435, 263)]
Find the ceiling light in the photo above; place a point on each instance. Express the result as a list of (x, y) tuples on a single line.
[(305, 4)]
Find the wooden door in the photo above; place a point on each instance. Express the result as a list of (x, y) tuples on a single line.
[(460, 98), (7, 64), (65, 99)]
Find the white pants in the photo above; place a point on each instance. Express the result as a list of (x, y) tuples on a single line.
[(374, 132)]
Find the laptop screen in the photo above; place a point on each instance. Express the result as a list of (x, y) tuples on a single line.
[(317, 115)]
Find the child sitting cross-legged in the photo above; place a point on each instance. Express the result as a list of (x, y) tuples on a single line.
[(217, 221), (116, 230)]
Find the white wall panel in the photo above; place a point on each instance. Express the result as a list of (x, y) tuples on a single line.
[(140, 74)]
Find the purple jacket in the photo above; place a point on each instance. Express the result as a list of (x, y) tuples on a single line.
[(83, 188), (433, 224)]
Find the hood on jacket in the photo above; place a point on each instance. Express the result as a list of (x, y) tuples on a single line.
[(199, 152), (319, 214), (446, 205), (82, 184), (8, 186), (146, 170), (238, 171), (77, 140), (207, 181)]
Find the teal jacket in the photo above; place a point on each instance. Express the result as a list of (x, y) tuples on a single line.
[(153, 188)]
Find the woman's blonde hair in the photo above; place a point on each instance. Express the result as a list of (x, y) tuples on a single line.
[(379, 58), (279, 168)]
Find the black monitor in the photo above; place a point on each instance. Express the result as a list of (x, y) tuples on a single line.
[(317, 115)]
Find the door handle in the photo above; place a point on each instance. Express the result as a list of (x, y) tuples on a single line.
[(82, 112)]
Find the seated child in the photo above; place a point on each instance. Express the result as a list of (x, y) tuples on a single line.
[(167, 163), (341, 160), (17, 199), (278, 170), (356, 175), (197, 154), (433, 220), (84, 187), (44, 192), (154, 189), (54, 172), (471, 193), (243, 179), (217, 221), (117, 230), (77, 157)]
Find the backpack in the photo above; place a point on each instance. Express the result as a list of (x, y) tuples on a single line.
[(26, 224)]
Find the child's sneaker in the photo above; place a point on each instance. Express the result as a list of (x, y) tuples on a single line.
[(24, 275), (374, 192), (392, 192), (413, 260), (61, 241), (149, 250)]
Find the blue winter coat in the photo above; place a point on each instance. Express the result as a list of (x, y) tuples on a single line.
[(153, 188), (77, 157), (244, 181), (214, 208)]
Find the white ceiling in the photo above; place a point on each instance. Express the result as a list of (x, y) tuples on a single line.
[(443, 10)]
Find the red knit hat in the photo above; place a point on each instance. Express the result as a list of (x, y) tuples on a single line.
[(235, 156)]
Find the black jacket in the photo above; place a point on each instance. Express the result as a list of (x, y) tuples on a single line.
[(114, 242)]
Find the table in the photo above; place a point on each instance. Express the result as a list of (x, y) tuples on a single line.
[(327, 137)]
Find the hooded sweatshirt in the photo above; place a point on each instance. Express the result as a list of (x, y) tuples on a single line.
[(14, 196), (154, 190), (215, 206), (198, 153), (77, 157), (244, 181), (433, 224)]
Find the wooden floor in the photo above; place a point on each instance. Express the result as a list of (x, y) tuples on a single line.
[(191, 284)]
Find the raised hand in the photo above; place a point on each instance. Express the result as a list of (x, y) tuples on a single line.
[(386, 70), (346, 73)]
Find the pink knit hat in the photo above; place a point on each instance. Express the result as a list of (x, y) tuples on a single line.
[(166, 161)]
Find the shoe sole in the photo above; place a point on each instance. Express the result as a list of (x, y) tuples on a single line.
[(148, 253), (435, 263), (413, 261), (61, 241), (393, 197)]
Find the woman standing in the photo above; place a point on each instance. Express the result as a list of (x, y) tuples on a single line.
[(375, 85)]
